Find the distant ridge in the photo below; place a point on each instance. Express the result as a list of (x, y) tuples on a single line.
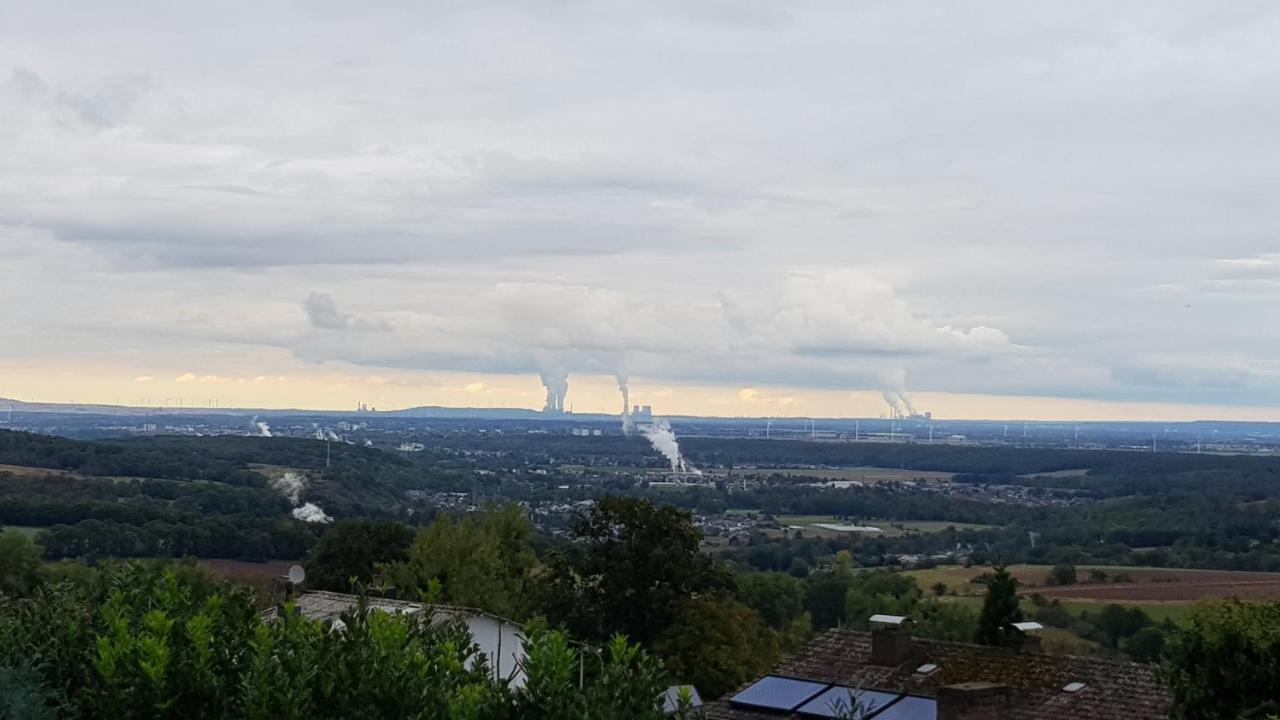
[(441, 412)]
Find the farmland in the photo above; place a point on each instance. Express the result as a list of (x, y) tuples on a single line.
[(829, 525), (866, 475), (1139, 585)]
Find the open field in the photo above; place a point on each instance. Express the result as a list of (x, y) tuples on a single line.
[(1079, 472), (34, 471), (1148, 585), (25, 530), (1157, 611), (855, 474), (828, 525)]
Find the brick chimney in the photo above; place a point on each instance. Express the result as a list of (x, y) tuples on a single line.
[(973, 701), (890, 645)]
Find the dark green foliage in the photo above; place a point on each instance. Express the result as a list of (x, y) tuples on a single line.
[(19, 563), (1062, 575), (631, 565), (778, 597), (353, 549), (999, 610), (1224, 663), (1146, 645), (825, 598), (716, 645)]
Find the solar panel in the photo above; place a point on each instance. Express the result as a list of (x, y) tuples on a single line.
[(839, 699), (778, 693), (910, 707)]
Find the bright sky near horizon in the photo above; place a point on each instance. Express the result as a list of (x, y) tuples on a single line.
[(747, 207)]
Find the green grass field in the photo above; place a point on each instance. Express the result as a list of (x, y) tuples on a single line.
[(889, 528)]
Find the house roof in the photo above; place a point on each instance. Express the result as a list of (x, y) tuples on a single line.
[(1112, 690), (323, 605)]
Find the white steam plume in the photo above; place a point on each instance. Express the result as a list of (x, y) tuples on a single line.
[(291, 485), (260, 427), (628, 424), (557, 384), (896, 394), (324, 433), (663, 439)]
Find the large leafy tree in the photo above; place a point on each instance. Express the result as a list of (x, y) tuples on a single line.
[(482, 561), (778, 597), (1000, 610), (716, 644), (630, 566), (353, 549), (1224, 662), (19, 563)]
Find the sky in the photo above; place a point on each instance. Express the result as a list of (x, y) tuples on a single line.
[(744, 207)]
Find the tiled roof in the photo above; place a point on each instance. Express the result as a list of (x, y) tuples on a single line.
[(1113, 690)]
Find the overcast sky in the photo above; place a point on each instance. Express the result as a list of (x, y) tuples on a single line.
[(1008, 209)]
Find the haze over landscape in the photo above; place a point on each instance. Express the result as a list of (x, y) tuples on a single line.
[(748, 208)]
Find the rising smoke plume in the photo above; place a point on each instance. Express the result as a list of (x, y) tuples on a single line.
[(628, 423), (663, 439), (896, 395), (291, 485), (259, 427), (557, 384)]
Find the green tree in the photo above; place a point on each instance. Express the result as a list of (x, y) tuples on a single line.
[(482, 561), (778, 597), (628, 569), (1063, 575), (1000, 610), (942, 620), (716, 644), (354, 549), (1224, 662), (1145, 645), (826, 596), (19, 563)]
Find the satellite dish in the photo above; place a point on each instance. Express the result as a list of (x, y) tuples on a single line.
[(297, 574)]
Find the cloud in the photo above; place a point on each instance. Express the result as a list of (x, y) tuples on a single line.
[(324, 314), (186, 378), (499, 189), (143, 379)]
